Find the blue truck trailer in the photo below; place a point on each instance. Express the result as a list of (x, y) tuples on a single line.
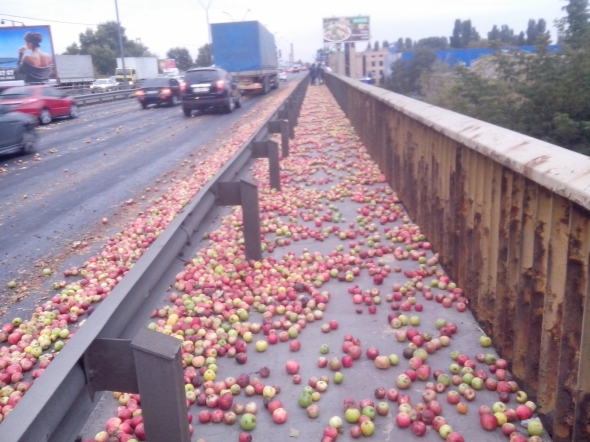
[(247, 50)]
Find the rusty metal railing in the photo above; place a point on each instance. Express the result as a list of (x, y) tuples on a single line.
[(510, 217)]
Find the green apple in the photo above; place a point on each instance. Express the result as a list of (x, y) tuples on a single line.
[(352, 415), (261, 345), (248, 422), (485, 341), (369, 411), (535, 428), (367, 428)]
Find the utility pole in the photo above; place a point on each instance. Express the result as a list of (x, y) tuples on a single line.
[(206, 8), (121, 50)]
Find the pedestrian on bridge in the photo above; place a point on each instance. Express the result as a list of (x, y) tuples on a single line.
[(313, 73), (320, 73)]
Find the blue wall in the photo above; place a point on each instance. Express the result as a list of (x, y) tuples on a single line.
[(467, 56)]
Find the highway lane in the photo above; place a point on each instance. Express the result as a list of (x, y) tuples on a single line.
[(86, 169)]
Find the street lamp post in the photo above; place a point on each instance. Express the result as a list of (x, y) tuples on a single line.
[(121, 43), (206, 8)]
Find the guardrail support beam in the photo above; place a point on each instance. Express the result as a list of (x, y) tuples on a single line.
[(161, 384), (289, 115), (269, 149), (281, 127), (150, 365), (244, 193)]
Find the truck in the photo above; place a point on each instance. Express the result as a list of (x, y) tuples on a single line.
[(137, 69), (74, 69), (248, 52)]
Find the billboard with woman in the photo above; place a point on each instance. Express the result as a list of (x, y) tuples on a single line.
[(26, 53)]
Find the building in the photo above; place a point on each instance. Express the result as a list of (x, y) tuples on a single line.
[(355, 64)]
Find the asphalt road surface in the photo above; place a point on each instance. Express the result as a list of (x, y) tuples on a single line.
[(85, 170)]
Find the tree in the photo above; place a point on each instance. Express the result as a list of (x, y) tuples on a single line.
[(463, 34), (434, 43), (385, 44), (456, 37), (575, 27), (405, 76), (408, 44), (182, 57), (204, 56), (369, 47), (376, 46), (494, 34), (531, 32), (103, 46), (521, 40)]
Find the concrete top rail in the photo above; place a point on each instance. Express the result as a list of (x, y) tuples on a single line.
[(560, 170)]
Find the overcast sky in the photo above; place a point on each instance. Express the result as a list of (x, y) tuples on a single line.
[(162, 24)]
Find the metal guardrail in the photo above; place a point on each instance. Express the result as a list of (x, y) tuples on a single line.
[(104, 96), (510, 215), (58, 404)]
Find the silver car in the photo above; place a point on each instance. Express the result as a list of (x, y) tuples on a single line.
[(103, 85)]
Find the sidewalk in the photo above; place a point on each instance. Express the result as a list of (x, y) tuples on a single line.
[(341, 258)]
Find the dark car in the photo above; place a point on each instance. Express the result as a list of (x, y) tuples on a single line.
[(17, 131), (161, 90), (42, 102), (207, 88)]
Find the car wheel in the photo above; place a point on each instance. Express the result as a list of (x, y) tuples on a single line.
[(265, 86), (187, 112), (175, 100), (30, 139), (239, 102), (45, 116), (144, 105), (74, 111)]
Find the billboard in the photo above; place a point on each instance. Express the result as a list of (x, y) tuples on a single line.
[(167, 63), (346, 29), (26, 53)]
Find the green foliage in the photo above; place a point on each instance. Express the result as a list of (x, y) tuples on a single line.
[(385, 44), (546, 96), (434, 43), (575, 27), (182, 56), (408, 45), (405, 77), (463, 34), (376, 46), (103, 46), (204, 56)]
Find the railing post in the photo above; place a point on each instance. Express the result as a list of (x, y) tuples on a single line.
[(244, 193), (161, 385), (269, 149)]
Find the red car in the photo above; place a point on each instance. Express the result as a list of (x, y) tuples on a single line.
[(43, 102)]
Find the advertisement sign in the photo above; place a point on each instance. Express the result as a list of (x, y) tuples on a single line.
[(346, 29), (26, 53), (168, 63)]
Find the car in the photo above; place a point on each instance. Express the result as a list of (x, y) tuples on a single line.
[(282, 74), (158, 91), (17, 132), (40, 101), (103, 85), (208, 88)]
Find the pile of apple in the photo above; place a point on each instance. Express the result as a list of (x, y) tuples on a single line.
[(30, 345), (218, 295)]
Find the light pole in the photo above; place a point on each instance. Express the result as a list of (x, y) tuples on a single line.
[(245, 14), (206, 8), (229, 15), (121, 43)]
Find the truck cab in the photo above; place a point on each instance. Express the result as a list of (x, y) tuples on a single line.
[(127, 76)]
